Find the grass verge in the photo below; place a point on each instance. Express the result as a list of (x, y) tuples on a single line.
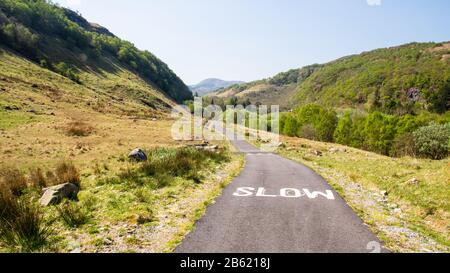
[(404, 200)]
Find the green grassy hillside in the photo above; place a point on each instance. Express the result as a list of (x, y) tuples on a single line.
[(399, 80), (408, 79), (62, 41), (278, 90)]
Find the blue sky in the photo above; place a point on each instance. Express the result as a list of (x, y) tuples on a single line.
[(253, 39)]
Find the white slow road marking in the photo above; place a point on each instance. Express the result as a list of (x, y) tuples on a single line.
[(284, 193)]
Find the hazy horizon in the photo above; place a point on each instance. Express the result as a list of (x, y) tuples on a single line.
[(248, 40)]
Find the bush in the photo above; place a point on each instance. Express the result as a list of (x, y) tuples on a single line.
[(37, 179), (182, 162), (404, 145), (66, 172), (432, 141), (323, 120), (379, 132), (67, 71), (13, 181), (308, 131), (79, 129), (72, 214), (344, 129), (290, 126), (22, 225), (165, 164)]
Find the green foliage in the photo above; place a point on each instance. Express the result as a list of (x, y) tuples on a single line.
[(379, 132), (166, 164), (311, 121), (404, 145), (29, 26), (20, 37), (400, 80), (22, 225), (323, 121), (290, 126), (72, 214), (344, 129), (179, 163), (432, 141), (382, 133), (67, 71), (293, 76)]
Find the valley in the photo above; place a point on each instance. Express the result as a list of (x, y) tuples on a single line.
[(361, 163)]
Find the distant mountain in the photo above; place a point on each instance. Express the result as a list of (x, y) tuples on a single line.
[(278, 90), (210, 85)]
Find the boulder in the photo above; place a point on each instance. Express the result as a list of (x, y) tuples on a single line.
[(138, 155), (54, 195), (316, 152)]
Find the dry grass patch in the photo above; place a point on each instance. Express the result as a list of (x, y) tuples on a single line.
[(405, 200), (22, 224), (79, 129)]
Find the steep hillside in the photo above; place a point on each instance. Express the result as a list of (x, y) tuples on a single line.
[(278, 90), (210, 85), (62, 41), (398, 80)]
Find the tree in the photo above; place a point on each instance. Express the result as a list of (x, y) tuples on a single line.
[(290, 126), (343, 133), (323, 120), (379, 132), (432, 141)]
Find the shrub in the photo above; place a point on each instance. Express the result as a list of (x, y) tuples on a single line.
[(379, 132), (308, 131), (404, 145), (164, 164), (12, 180), (72, 214), (343, 132), (37, 179), (290, 126), (432, 141), (22, 225), (323, 120), (79, 129), (67, 71), (179, 162), (66, 172)]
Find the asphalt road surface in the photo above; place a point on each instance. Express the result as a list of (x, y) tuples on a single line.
[(279, 206)]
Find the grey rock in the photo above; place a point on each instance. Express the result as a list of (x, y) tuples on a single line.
[(138, 155), (54, 195)]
